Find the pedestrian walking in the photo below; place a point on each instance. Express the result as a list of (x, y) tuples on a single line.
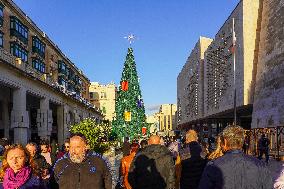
[(126, 147), (143, 144), (18, 170), (246, 144), (40, 162), (235, 170), (81, 169), (125, 164), (192, 168), (174, 148), (153, 167), (191, 136), (263, 147), (44, 147), (64, 150)]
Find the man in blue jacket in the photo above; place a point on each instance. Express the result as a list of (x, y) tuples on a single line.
[(235, 170)]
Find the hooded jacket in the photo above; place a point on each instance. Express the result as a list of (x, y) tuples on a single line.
[(152, 168)]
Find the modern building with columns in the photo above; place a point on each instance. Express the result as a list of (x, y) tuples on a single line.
[(42, 92), (218, 79)]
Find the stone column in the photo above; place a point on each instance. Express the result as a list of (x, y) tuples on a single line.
[(20, 116), (6, 119), (60, 124), (44, 119), (76, 116), (63, 118), (85, 115)]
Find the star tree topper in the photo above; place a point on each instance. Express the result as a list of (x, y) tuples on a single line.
[(130, 38)]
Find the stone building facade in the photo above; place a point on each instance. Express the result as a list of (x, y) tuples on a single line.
[(218, 90), (41, 91), (190, 84), (268, 107), (219, 68), (167, 117), (103, 97)]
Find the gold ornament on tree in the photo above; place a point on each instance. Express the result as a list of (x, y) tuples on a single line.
[(127, 116)]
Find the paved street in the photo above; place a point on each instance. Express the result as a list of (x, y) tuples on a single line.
[(275, 168)]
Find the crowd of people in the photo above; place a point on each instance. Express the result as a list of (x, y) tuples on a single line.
[(155, 163), (190, 164), (43, 166)]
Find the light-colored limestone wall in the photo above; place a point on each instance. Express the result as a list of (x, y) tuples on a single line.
[(190, 84), (268, 107), (204, 43), (219, 86), (182, 100), (107, 101), (167, 114), (250, 18), (52, 51)]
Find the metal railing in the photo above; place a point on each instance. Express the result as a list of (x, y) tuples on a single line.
[(274, 134)]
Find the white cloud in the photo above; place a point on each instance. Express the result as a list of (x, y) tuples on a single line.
[(152, 107)]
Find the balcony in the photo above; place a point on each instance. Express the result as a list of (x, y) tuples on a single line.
[(16, 63), (7, 57), (16, 34)]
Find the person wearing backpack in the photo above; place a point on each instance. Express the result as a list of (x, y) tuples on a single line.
[(263, 147), (153, 167)]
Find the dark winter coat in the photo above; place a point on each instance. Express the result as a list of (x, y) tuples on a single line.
[(33, 183), (192, 168), (263, 143), (93, 172), (152, 168), (236, 170), (185, 152)]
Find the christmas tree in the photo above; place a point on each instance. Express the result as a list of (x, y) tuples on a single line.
[(129, 107)]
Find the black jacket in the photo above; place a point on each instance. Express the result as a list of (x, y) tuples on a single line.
[(93, 172), (235, 170), (192, 168), (152, 168)]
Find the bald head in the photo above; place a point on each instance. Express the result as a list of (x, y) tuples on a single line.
[(154, 139), (191, 136)]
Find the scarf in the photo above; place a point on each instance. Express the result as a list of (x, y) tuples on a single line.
[(14, 181)]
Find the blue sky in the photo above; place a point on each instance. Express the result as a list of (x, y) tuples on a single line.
[(91, 33)]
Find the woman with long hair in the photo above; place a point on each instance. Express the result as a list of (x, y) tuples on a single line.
[(218, 151), (18, 170)]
